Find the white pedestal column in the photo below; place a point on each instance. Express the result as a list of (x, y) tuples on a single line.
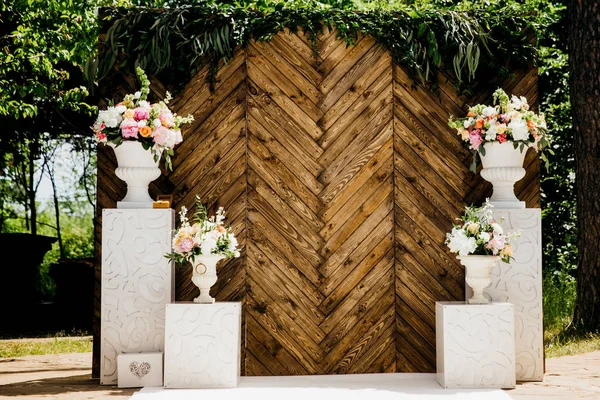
[(475, 345), (202, 348), (137, 283), (520, 283)]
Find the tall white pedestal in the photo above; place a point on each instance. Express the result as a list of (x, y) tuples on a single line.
[(520, 283), (137, 283), (475, 345), (202, 348)]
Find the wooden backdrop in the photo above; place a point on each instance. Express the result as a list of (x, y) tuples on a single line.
[(340, 177)]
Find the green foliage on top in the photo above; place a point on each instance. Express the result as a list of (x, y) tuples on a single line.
[(426, 38), (42, 42)]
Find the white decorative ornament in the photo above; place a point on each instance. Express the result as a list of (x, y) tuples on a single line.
[(204, 275), (475, 345), (520, 283), (137, 167), (140, 369), (137, 283), (477, 275), (503, 167), (202, 345)]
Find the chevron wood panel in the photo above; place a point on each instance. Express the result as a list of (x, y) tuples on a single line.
[(320, 208), (432, 185), (340, 178)]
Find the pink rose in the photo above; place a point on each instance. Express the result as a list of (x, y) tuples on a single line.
[(129, 128), (475, 140), (141, 113)]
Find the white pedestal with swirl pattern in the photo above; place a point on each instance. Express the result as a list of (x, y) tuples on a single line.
[(202, 348), (137, 283), (475, 345), (520, 283)]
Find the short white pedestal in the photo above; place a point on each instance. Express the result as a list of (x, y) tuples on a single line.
[(137, 283), (475, 345), (202, 345), (140, 369), (520, 283)]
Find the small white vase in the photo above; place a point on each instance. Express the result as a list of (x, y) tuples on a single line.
[(204, 275), (503, 167), (137, 167), (477, 271)]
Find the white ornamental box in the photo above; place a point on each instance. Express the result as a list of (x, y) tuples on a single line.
[(475, 345), (520, 283), (137, 283), (202, 345), (140, 369)]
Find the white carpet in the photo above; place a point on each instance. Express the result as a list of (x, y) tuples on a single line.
[(329, 387)]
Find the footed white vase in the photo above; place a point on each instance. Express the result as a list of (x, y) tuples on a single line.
[(204, 275), (503, 167), (136, 166), (477, 272)]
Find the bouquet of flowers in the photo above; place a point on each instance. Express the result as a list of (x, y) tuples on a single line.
[(480, 234), (134, 118), (507, 120), (205, 236)]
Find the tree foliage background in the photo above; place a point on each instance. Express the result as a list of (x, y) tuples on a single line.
[(46, 49)]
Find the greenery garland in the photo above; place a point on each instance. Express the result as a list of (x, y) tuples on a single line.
[(174, 42)]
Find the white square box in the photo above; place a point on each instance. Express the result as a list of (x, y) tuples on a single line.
[(475, 345), (140, 369), (202, 345)]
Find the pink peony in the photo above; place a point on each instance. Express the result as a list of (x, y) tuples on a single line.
[(161, 135), (178, 137), (475, 140), (141, 113), (185, 245), (166, 119), (129, 128)]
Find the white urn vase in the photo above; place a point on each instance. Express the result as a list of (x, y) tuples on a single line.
[(503, 167), (478, 275), (204, 275), (137, 167)]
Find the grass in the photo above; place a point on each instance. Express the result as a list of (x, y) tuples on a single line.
[(55, 345), (559, 338)]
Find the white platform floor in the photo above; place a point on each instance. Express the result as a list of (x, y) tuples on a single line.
[(329, 387)]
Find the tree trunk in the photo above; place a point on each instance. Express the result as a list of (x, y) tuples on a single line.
[(584, 65), (56, 213), (31, 192)]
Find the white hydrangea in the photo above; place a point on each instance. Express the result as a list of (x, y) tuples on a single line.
[(111, 117), (519, 128), (458, 242)]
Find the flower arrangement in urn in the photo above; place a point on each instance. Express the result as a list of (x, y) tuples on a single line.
[(155, 126), (501, 134), (508, 120), (480, 242), (203, 243)]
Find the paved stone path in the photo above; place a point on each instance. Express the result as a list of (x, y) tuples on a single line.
[(67, 376)]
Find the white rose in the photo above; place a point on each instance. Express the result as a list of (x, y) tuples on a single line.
[(157, 122), (488, 111), (121, 109), (491, 133), (468, 123), (520, 131), (485, 236), (497, 228), (141, 123), (207, 246), (145, 104)]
